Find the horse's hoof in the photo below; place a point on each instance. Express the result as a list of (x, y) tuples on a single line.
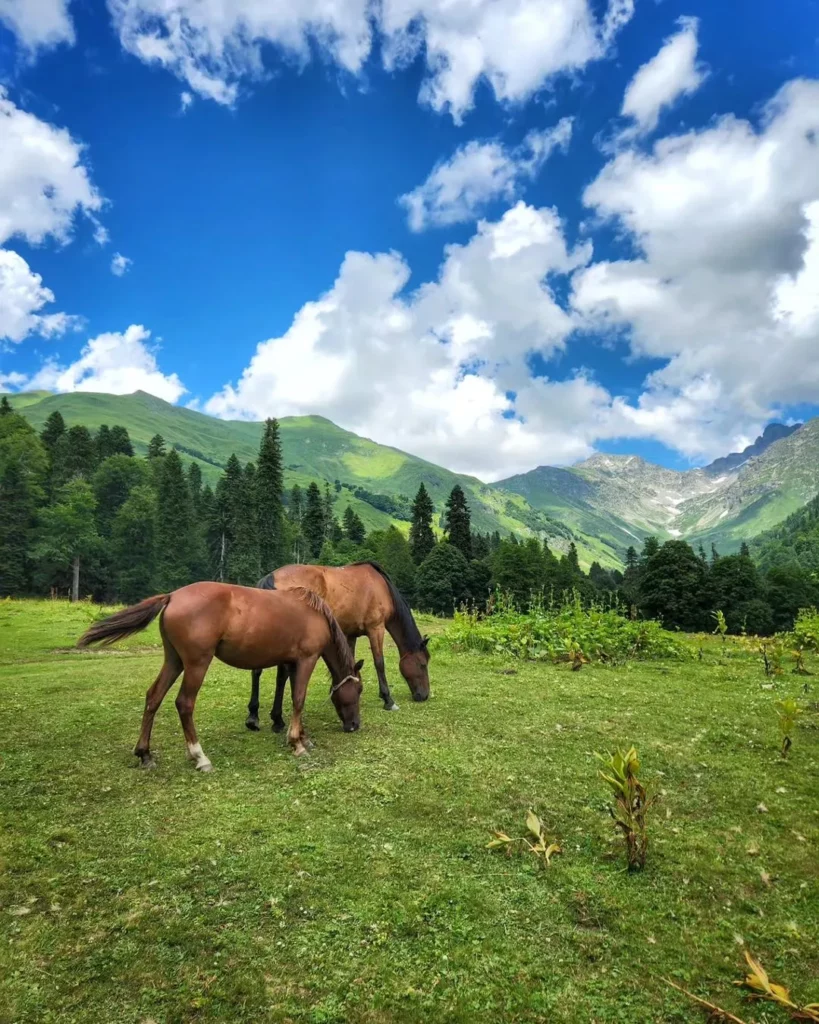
[(252, 724), (205, 766), (147, 762), (391, 707), (308, 744), (300, 750), (277, 726)]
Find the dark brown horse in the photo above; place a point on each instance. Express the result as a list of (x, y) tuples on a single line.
[(365, 602), (243, 627)]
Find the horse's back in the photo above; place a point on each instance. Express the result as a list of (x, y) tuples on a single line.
[(357, 594)]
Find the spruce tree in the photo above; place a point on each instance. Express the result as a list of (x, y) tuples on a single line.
[(201, 508), (457, 522), (244, 565), (174, 525), (133, 545), (714, 554), (294, 506), (156, 446), (353, 527), (269, 507), (53, 430), (5, 406), (77, 457), (120, 441), (329, 515), (631, 559), (312, 521), (218, 531), (103, 445), (744, 550), (394, 555), (113, 481), (421, 536), (23, 474)]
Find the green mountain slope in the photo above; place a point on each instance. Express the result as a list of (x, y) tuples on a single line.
[(316, 449), (618, 496), (794, 540)]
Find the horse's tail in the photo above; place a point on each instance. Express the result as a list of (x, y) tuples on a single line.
[(318, 604), (124, 623)]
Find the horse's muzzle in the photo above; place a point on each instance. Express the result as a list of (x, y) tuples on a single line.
[(354, 727), (419, 698)]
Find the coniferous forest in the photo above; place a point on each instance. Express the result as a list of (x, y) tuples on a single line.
[(82, 515)]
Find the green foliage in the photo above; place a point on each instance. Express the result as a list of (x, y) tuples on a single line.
[(352, 526), (631, 803), (674, 586), (721, 625), (566, 633), (133, 545), (268, 498), (393, 553), (795, 541), (113, 481), (174, 533), (806, 629), (312, 521), (68, 530), (23, 473), (440, 582)]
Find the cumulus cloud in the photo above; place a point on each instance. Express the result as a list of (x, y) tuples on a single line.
[(38, 24), (432, 371), (22, 297), (120, 264), (114, 363), (44, 181), (671, 73), (517, 46), (477, 173), (727, 220)]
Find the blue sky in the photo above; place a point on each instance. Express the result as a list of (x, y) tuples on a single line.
[(236, 186)]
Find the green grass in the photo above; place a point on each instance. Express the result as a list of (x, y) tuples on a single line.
[(353, 885)]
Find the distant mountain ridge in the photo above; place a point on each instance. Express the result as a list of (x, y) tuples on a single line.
[(731, 500), (604, 504)]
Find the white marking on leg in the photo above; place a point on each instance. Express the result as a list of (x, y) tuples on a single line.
[(196, 753)]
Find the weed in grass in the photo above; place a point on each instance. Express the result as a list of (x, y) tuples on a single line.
[(631, 803), (543, 848), (721, 626), (761, 987), (789, 711)]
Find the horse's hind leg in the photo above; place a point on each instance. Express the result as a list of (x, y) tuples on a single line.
[(185, 703), (168, 675), (376, 638), (252, 721), (276, 712)]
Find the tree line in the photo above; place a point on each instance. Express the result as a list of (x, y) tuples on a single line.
[(81, 513)]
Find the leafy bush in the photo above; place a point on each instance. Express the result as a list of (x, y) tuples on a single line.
[(568, 633), (806, 629)]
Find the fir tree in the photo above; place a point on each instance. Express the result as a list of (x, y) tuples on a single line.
[(421, 536), (5, 406), (77, 457), (714, 554), (312, 521), (156, 447), (174, 525), (353, 527), (457, 522), (23, 472), (631, 559), (219, 536), (269, 508), (294, 505), (113, 481), (200, 504), (441, 580), (744, 550), (53, 430), (329, 515), (244, 565), (103, 445), (120, 441), (395, 556), (133, 545)]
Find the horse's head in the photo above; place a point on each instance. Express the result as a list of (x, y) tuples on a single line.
[(345, 693), (413, 665)]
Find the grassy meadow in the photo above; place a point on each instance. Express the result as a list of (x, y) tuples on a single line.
[(354, 884)]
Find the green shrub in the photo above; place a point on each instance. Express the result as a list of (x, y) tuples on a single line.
[(566, 633)]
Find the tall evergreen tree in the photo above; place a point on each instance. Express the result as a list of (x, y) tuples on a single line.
[(422, 536), (245, 567), (23, 473), (631, 558), (329, 514), (219, 535), (295, 505), (5, 406), (200, 504), (394, 555), (53, 430), (744, 550), (457, 523), (353, 527), (77, 457), (269, 507), (156, 446), (714, 554), (650, 548), (103, 444), (674, 587), (174, 525), (113, 481), (133, 545), (312, 521), (120, 441)]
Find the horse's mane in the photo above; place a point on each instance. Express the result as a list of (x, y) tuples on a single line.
[(412, 634), (318, 604)]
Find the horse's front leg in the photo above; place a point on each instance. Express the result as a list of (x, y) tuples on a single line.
[(278, 700), (376, 638), (252, 721), (299, 678)]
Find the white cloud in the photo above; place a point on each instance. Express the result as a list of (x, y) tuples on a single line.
[(114, 363), (429, 371), (38, 24), (477, 173), (672, 73), (44, 182), (517, 46), (185, 100), (22, 296), (120, 264), (727, 219)]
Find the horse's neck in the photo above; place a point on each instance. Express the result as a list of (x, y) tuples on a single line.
[(335, 662), (396, 631)]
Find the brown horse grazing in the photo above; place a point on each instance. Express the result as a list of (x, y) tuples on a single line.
[(243, 627), (365, 602)]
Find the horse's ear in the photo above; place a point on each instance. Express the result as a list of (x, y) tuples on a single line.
[(424, 643), (358, 666)]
